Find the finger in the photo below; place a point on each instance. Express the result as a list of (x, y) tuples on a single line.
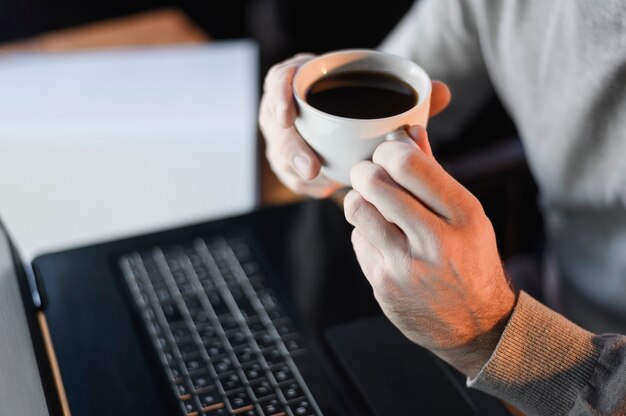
[(440, 98), (297, 59), (314, 189), (418, 133), (422, 177), (369, 258), (394, 203), (278, 86), (320, 187), (384, 235), (290, 146)]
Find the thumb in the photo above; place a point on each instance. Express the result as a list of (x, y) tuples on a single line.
[(420, 136), (440, 98)]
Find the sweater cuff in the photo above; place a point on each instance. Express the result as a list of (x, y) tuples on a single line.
[(541, 362)]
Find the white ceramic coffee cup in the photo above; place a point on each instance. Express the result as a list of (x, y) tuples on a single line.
[(343, 142)]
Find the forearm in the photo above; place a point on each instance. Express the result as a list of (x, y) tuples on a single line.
[(546, 365)]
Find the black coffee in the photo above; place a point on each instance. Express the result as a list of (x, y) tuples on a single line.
[(361, 95)]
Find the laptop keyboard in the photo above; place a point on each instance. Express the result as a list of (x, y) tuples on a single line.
[(218, 329)]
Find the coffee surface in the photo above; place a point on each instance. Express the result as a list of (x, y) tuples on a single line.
[(361, 95)]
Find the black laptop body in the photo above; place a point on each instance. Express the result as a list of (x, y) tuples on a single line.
[(266, 313)]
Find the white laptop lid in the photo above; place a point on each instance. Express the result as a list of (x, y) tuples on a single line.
[(100, 145), (21, 391)]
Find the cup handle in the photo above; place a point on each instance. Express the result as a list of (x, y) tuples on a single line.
[(400, 135)]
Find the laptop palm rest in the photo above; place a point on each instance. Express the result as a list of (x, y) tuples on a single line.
[(395, 376)]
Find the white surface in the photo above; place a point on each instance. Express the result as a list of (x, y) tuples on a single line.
[(100, 145)]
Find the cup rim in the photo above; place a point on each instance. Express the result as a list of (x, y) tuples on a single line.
[(302, 102)]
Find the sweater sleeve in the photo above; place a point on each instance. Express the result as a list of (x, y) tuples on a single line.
[(546, 365), (442, 37)]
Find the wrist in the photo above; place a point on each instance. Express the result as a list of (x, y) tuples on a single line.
[(472, 357)]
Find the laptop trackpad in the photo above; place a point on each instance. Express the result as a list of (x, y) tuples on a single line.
[(394, 375)]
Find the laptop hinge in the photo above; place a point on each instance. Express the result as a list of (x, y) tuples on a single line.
[(35, 291)]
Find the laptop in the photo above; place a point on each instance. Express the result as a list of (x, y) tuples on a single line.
[(265, 313)]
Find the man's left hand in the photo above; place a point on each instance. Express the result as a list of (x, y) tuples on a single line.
[(429, 252)]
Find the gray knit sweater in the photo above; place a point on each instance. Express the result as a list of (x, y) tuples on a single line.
[(559, 67)]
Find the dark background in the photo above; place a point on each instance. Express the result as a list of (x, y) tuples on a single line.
[(488, 158)]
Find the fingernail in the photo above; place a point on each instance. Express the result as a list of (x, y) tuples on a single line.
[(302, 165)]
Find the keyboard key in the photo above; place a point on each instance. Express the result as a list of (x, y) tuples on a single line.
[(193, 364), (157, 328), (255, 325), (172, 313), (187, 290), (239, 401), (214, 348), (200, 268), (301, 408), (218, 304), (284, 328), (216, 412), (229, 323), (272, 406), (151, 314), (235, 291), (231, 382), (174, 258), (245, 354), (223, 365), (257, 281), (163, 342), (237, 338), (181, 333), (180, 278), (294, 344), (282, 374), (188, 348), (162, 293), (194, 257), (210, 399), (273, 357), (175, 372), (253, 371), (227, 274), (192, 302), (207, 280), (183, 389), (275, 314), (291, 391), (200, 317), (149, 265), (202, 381), (217, 252), (169, 356), (206, 332), (250, 268), (241, 250), (268, 300), (265, 340), (262, 387), (190, 406)]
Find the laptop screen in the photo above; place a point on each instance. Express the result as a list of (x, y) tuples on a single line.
[(21, 390)]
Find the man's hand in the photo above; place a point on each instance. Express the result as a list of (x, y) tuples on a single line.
[(291, 159), (429, 252)]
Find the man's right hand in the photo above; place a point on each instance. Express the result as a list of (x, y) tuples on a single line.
[(291, 159)]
